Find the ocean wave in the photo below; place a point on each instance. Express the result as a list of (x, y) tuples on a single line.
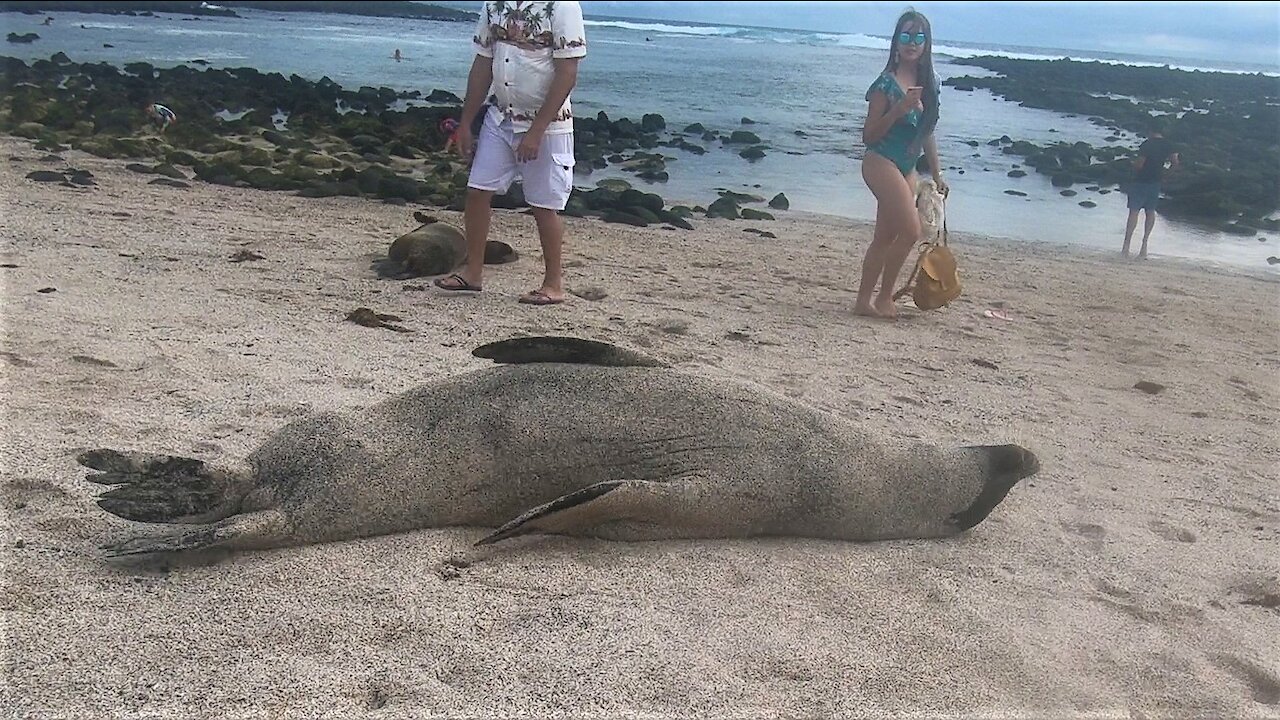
[(858, 40), (664, 28), (105, 26), (193, 31), (209, 56)]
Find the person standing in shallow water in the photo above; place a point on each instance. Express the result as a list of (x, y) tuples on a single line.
[(902, 113), (1144, 189)]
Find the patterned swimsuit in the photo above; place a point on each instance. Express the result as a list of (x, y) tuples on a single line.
[(896, 144)]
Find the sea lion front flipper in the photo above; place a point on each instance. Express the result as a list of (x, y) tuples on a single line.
[(620, 510), (519, 351), (241, 532), (558, 513)]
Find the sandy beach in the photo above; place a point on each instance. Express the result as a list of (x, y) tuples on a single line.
[(1135, 577)]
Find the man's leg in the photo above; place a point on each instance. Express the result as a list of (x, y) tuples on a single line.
[(493, 166), (551, 235), (1128, 231), (548, 181), (476, 217), (1146, 234)]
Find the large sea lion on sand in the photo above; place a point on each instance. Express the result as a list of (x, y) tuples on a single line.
[(565, 436), (435, 248)]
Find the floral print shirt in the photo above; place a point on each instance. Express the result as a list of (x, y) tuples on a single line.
[(523, 39)]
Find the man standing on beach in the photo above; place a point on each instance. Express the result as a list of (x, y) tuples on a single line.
[(1144, 188), (527, 53)]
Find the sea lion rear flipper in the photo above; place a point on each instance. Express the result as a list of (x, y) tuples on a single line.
[(519, 351), (242, 532), (163, 488)]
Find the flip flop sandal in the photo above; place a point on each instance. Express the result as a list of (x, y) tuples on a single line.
[(460, 284), (537, 297)]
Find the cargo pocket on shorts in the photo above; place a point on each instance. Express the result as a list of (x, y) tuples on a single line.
[(563, 170)]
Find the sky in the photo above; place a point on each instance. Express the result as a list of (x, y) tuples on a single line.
[(1243, 32)]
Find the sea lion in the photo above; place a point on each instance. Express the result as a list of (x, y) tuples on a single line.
[(565, 436), (435, 248)]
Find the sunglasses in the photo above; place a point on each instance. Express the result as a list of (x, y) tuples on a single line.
[(907, 39)]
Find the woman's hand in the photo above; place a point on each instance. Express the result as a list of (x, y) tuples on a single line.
[(912, 100), (943, 188)]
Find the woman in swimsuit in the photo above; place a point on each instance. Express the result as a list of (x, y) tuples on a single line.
[(901, 117)]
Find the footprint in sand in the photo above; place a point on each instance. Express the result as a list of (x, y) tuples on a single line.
[(1171, 533), (16, 361), (452, 568), (1261, 592), (1262, 683), (88, 360), (1130, 609), (1089, 530), (1112, 590), (20, 492)]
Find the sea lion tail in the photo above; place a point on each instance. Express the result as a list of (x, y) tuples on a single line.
[(519, 351), (163, 488), (255, 530)]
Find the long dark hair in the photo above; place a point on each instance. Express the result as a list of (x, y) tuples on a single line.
[(924, 72)]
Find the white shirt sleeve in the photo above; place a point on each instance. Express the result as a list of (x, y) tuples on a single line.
[(482, 41), (569, 32)]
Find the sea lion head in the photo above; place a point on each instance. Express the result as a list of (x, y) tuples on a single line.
[(938, 491), (996, 468)]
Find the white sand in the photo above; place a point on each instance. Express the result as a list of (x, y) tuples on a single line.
[(1114, 584)]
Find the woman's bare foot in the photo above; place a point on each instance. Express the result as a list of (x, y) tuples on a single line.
[(885, 308), (870, 311)]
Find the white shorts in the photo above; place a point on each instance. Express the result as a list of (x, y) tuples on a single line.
[(547, 179)]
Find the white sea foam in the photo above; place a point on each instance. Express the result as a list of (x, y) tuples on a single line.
[(193, 31), (106, 26), (653, 27)]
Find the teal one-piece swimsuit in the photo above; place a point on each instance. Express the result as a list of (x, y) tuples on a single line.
[(896, 144)]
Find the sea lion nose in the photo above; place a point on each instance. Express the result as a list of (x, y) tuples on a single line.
[(1012, 460)]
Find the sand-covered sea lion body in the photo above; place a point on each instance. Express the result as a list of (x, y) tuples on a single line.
[(435, 248), (578, 438)]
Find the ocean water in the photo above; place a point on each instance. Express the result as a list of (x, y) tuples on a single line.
[(786, 81)]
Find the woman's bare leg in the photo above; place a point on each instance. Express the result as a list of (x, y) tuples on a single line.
[(873, 264), (897, 231), (896, 256)]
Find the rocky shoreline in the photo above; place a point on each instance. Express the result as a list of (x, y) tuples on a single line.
[(244, 128), (1224, 125)]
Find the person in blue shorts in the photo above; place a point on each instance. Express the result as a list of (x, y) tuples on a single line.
[(1144, 189), (902, 113)]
